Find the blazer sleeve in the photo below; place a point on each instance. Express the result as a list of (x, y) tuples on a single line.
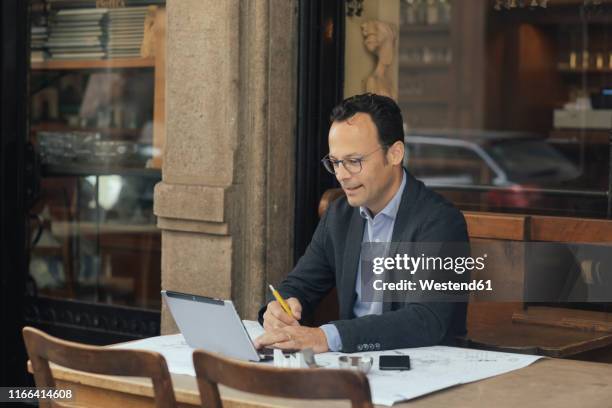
[(413, 324), (313, 276)]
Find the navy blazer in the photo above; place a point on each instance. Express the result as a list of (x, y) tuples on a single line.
[(332, 258)]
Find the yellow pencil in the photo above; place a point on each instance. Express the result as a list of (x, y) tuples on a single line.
[(282, 301)]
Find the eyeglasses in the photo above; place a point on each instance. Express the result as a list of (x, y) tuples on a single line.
[(352, 164)]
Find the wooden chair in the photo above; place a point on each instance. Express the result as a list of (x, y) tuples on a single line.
[(278, 382), (328, 197), (43, 348)]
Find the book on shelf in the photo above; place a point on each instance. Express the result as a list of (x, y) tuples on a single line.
[(113, 47), (123, 55), (80, 42), (84, 50), (71, 4), (38, 37), (38, 56), (125, 17), (60, 16), (81, 13), (134, 54), (82, 23), (124, 24), (129, 10), (79, 55), (81, 37), (76, 20), (78, 52), (127, 13), (72, 31), (87, 32), (38, 7), (128, 30), (119, 45), (125, 36)]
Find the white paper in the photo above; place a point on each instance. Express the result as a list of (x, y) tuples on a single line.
[(432, 368), (178, 355)]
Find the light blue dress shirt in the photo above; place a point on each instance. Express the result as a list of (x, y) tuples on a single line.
[(377, 229)]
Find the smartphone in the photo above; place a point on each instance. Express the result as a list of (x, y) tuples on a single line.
[(394, 362)]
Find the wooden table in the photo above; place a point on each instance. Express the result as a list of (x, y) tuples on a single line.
[(553, 332), (546, 383)]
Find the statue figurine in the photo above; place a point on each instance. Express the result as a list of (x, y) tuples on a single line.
[(379, 39), (147, 48)]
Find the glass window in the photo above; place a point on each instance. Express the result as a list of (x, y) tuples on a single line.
[(94, 121), (507, 104)]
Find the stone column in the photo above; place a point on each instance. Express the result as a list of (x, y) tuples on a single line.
[(225, 203)]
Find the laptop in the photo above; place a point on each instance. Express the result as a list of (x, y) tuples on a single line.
[(213, 325)]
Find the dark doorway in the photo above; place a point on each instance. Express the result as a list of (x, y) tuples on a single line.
[(320, 85), (21, 302), (13, 189)]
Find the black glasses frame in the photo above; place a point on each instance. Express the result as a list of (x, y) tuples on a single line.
[(331, 164)]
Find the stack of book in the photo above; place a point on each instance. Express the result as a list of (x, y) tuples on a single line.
[(39, 37), (77, 30), (125, 28), (78, 34), (71, 4), (38, 31)]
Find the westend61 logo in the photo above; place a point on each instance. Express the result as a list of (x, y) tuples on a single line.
[(411, 264)]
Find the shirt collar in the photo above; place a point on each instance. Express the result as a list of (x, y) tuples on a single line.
[(392, 206)]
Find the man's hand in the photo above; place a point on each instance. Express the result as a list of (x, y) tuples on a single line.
[(275, 316), (294, 338)]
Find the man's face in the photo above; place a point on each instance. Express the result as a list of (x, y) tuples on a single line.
[(374, 186)]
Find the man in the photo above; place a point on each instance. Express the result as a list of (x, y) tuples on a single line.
[(383, 203)]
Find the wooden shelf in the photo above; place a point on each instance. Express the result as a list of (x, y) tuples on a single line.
[(84, 170), (113, 132), (156, 61), (564, 68), (547, 341), (557, 13), (94, 64), (561, 3), (590, 136), (63, 229)]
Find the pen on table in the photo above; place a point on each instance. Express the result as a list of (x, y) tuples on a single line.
[(282, 301)]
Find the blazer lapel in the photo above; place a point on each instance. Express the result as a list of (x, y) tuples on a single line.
[(402, 219), (350, 262), (409, 197)]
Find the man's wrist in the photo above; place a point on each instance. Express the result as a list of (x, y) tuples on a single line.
[(332, 335)]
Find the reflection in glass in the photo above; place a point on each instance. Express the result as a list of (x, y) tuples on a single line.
[(98, 240), (534, 83), (93, 81)]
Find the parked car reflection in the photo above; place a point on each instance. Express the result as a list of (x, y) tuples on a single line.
[(492, 169)]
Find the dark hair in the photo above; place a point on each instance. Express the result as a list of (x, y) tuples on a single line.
[(383, 110)]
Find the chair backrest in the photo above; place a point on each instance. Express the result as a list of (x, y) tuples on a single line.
[(328, 197), (307, 383), (43, 349)]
